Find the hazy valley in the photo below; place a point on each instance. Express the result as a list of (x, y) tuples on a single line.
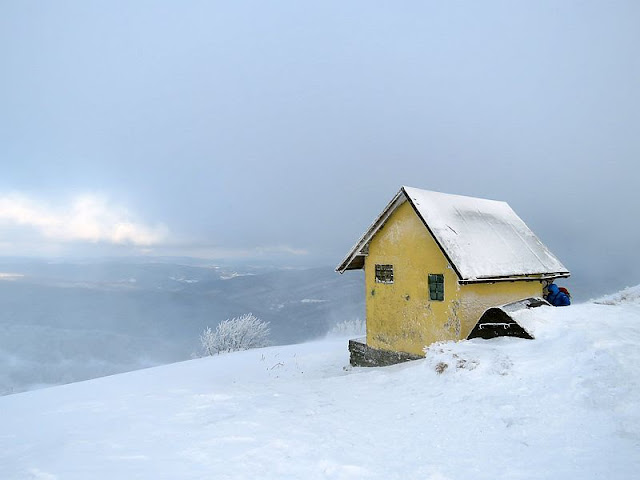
[(62, 322)]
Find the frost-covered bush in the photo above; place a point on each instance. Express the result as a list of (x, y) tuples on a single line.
[(239, 333), (354, 327)]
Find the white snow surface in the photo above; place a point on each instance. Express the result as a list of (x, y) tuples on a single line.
[(628, 295), (563, 406), (483, 238)]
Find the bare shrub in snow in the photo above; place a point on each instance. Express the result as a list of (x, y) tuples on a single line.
[(441, 367), (240, 333), (354, 327)]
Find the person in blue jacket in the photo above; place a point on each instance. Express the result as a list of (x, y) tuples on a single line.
[(555, 297)]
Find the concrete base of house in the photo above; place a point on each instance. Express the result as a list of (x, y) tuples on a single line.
[(362, 355)]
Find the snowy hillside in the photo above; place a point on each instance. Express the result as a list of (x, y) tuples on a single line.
[(563, 406), (628, 295)]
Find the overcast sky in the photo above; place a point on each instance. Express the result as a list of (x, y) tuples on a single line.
[(283, 128)]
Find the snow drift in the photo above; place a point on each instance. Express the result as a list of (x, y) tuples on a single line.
[(628, 295)]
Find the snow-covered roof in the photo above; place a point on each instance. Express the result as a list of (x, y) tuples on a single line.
[(482, 239)]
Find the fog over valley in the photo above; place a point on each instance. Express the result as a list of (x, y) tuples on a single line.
[(62, 322)]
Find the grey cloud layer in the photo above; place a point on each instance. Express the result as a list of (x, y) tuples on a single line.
[(256, 125)]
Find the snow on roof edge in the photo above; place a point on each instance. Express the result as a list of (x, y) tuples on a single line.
[(483, 239)]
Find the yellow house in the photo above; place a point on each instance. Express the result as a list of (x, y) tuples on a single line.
[(435, 262)]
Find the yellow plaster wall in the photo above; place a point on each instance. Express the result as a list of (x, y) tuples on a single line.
[(476, 298), (400, 316)]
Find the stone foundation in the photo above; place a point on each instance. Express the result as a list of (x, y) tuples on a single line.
[(362, 355)]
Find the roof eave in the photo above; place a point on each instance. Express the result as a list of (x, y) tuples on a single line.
[(354, 260), (516, 278)]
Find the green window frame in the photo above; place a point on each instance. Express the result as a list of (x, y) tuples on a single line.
[(436, 286), (384, 273)]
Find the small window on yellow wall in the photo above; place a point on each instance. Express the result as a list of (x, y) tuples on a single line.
[(436, 286), (384, 273)]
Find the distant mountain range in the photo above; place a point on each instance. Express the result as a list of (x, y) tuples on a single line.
[(66, 321)]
